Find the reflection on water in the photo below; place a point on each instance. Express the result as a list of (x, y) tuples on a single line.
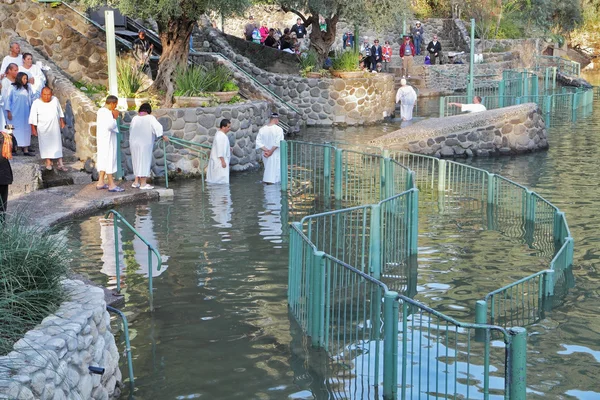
[(221, 329), (145, 226)]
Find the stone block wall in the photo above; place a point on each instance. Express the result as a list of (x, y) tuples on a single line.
[(455, 77), (504, 131), (56, 32), (321, 101), (200, 125), (52, 360)]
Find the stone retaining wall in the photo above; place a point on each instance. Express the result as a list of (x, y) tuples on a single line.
[(321, 101), (52, 360), (56, 33), (455, 77), (504, 131), (200, 125)]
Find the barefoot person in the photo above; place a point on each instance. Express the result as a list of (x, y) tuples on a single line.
[(143, 130), (47, 119), (107, 144), (268, 141), (218, 165), (17, 107)]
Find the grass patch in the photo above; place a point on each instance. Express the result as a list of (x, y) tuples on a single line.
[(32, 264), (197, 80)]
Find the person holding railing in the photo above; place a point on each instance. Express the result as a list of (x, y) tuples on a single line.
[(220, 153), (476, 106), (268, 141), (143, 130)]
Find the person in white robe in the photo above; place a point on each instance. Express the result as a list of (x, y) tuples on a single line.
[(17, 108), (37, 79), (47, 119), (145, 226), (15, 57), (107, 144), (407, 96), (220, 154), (268, 141), (143, 130), (10, 75)]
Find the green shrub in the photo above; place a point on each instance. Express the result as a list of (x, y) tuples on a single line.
[(197, 80), (129, 78), (345, 61), (309, 61), (510, 28), (33, 263)]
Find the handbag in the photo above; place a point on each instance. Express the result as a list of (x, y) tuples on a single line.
[(427, 60)]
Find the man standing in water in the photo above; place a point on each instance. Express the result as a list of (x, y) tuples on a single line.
[(218, 164), (268, 141)]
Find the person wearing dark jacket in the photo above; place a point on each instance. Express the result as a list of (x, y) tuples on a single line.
[(299, 29), (435, 50), (270, 41), (376, 55), (7, 147)]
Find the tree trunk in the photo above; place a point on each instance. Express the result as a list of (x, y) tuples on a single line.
[(175, 38), (321, 41)]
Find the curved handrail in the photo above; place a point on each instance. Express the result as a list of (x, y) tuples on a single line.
[(127, 343), (118, 218), (201, 148)]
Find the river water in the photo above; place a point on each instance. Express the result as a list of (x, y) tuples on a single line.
[(221, 328)]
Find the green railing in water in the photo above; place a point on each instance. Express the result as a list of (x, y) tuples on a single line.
[(562, 65), (342, 263), (118, 220), (189, 148)]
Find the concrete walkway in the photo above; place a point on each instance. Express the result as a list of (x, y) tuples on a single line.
[(51, 206)]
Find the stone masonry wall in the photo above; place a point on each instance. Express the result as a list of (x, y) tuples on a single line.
[(80, 112), (321, 101), (52, 360), (200, 125), (455, 77), (504, 131), (55, 33)]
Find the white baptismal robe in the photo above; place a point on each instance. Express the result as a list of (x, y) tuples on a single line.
[(19, 105), (142, 131), (407, 96), (8, 60), (46, 117), (39, 79), (6, 86), (270, 136), (106, 141), (220, 148)]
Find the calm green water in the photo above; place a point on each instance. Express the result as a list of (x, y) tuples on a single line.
[(221, 329)]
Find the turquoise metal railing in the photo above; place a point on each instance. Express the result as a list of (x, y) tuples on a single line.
[(567, 67), (118, 220), (337, 261), (127, 343), (201, 150)]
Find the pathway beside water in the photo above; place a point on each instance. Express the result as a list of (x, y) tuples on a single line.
[(221, 328)]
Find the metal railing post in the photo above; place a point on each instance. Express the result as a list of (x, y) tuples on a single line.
[(118, 267), (327, 173), (414, 222), (283, 154), (127, 343), (470, 86), (491, 189), (441, 189), (501, 89), (442, 107), (517, 368), (554, 71), (481, 318), (150, 287), (317, 299), (390, 346), (375, 242), (337, 175)]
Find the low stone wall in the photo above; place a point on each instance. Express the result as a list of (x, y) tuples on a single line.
[(455, 76), (200, 125), (80, 112), (267, 58), (504, 131), (52, 360), (321, 101), (56, 33)]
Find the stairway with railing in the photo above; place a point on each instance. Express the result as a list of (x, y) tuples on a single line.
[(340, 258)]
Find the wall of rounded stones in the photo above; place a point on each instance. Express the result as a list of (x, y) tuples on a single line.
[(200, 125), (58, 34), (321, 101), (504, 131), (52, 360)]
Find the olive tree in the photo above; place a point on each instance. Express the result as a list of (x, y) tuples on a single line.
[(175, 20)]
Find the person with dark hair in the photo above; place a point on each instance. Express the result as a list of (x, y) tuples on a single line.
[(218, 164), (376, 55), (37, 79), (286, 40), (17, 109), (142, 50), (10, 75), (270, 40), (6, 175), (107, 145), (143, 130), (268, 141), (46, 119)]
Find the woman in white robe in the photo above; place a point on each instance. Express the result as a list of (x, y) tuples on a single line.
[(37, 79), (268, 141), (143, 130), (407, 96), (17, 108), (107, 144), (220, 154), (47, 119)]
